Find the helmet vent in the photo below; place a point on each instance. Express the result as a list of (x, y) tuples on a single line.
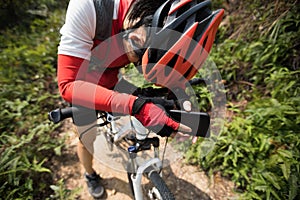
[(204, 42), (187, 73), (170, 65)]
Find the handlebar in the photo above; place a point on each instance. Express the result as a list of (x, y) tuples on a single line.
[(81, 115), (60, 114), (198, 121)]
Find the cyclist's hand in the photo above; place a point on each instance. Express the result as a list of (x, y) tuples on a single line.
[(155, 118), (177, 98), (166, 104)]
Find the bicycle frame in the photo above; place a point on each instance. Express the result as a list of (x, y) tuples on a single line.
[(144, 143), (137, 179), (152, 166)]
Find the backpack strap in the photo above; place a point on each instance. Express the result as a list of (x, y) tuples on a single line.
[(104, 17)]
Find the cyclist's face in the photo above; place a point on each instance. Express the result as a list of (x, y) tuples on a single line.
[(138, 36)]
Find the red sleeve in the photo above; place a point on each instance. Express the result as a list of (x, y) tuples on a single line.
[(75, 89)]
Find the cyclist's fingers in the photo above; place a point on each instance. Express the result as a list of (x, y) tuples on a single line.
[(184, 128), (180, 137)]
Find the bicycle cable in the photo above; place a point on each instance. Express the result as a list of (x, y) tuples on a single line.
[(165, 147)]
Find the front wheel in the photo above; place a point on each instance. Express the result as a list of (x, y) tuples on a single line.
[(160, 189)]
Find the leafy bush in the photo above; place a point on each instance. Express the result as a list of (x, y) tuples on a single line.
[(259, 149), (28, 91), (17, 12), (259, 146), (61, 193)]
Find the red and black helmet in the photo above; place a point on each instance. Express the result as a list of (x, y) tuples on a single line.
[(182, 34)]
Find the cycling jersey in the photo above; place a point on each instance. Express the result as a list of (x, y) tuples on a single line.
[(77, 83)]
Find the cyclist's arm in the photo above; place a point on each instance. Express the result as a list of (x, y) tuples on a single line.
[(75, 89), (74, 51), (75, 84)]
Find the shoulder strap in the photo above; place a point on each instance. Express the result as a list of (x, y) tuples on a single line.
[(104, 17)]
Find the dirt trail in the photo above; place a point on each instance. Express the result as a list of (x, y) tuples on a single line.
[(185, 181)]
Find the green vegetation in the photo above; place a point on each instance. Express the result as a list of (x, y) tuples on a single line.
[(28, 142), (257, 53)]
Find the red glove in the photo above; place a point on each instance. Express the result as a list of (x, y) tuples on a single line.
[(154, 117)]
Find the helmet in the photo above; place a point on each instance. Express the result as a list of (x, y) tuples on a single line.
[(182, 34)]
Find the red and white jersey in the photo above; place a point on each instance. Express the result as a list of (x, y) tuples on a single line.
[(75, 50), (78, 32)]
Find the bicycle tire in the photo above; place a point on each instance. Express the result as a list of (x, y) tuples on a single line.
[(161, 186)]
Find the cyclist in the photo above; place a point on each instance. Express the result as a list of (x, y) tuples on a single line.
[(82, 84)]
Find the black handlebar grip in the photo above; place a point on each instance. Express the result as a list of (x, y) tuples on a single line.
[(60, 114), (68, 112), (81, 115), (55, 116)]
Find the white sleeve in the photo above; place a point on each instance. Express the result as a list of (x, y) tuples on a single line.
[(79, 29)]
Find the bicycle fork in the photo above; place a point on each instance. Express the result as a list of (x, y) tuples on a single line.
[(154, 164)]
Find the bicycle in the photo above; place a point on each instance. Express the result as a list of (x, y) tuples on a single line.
[(134, 140)]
